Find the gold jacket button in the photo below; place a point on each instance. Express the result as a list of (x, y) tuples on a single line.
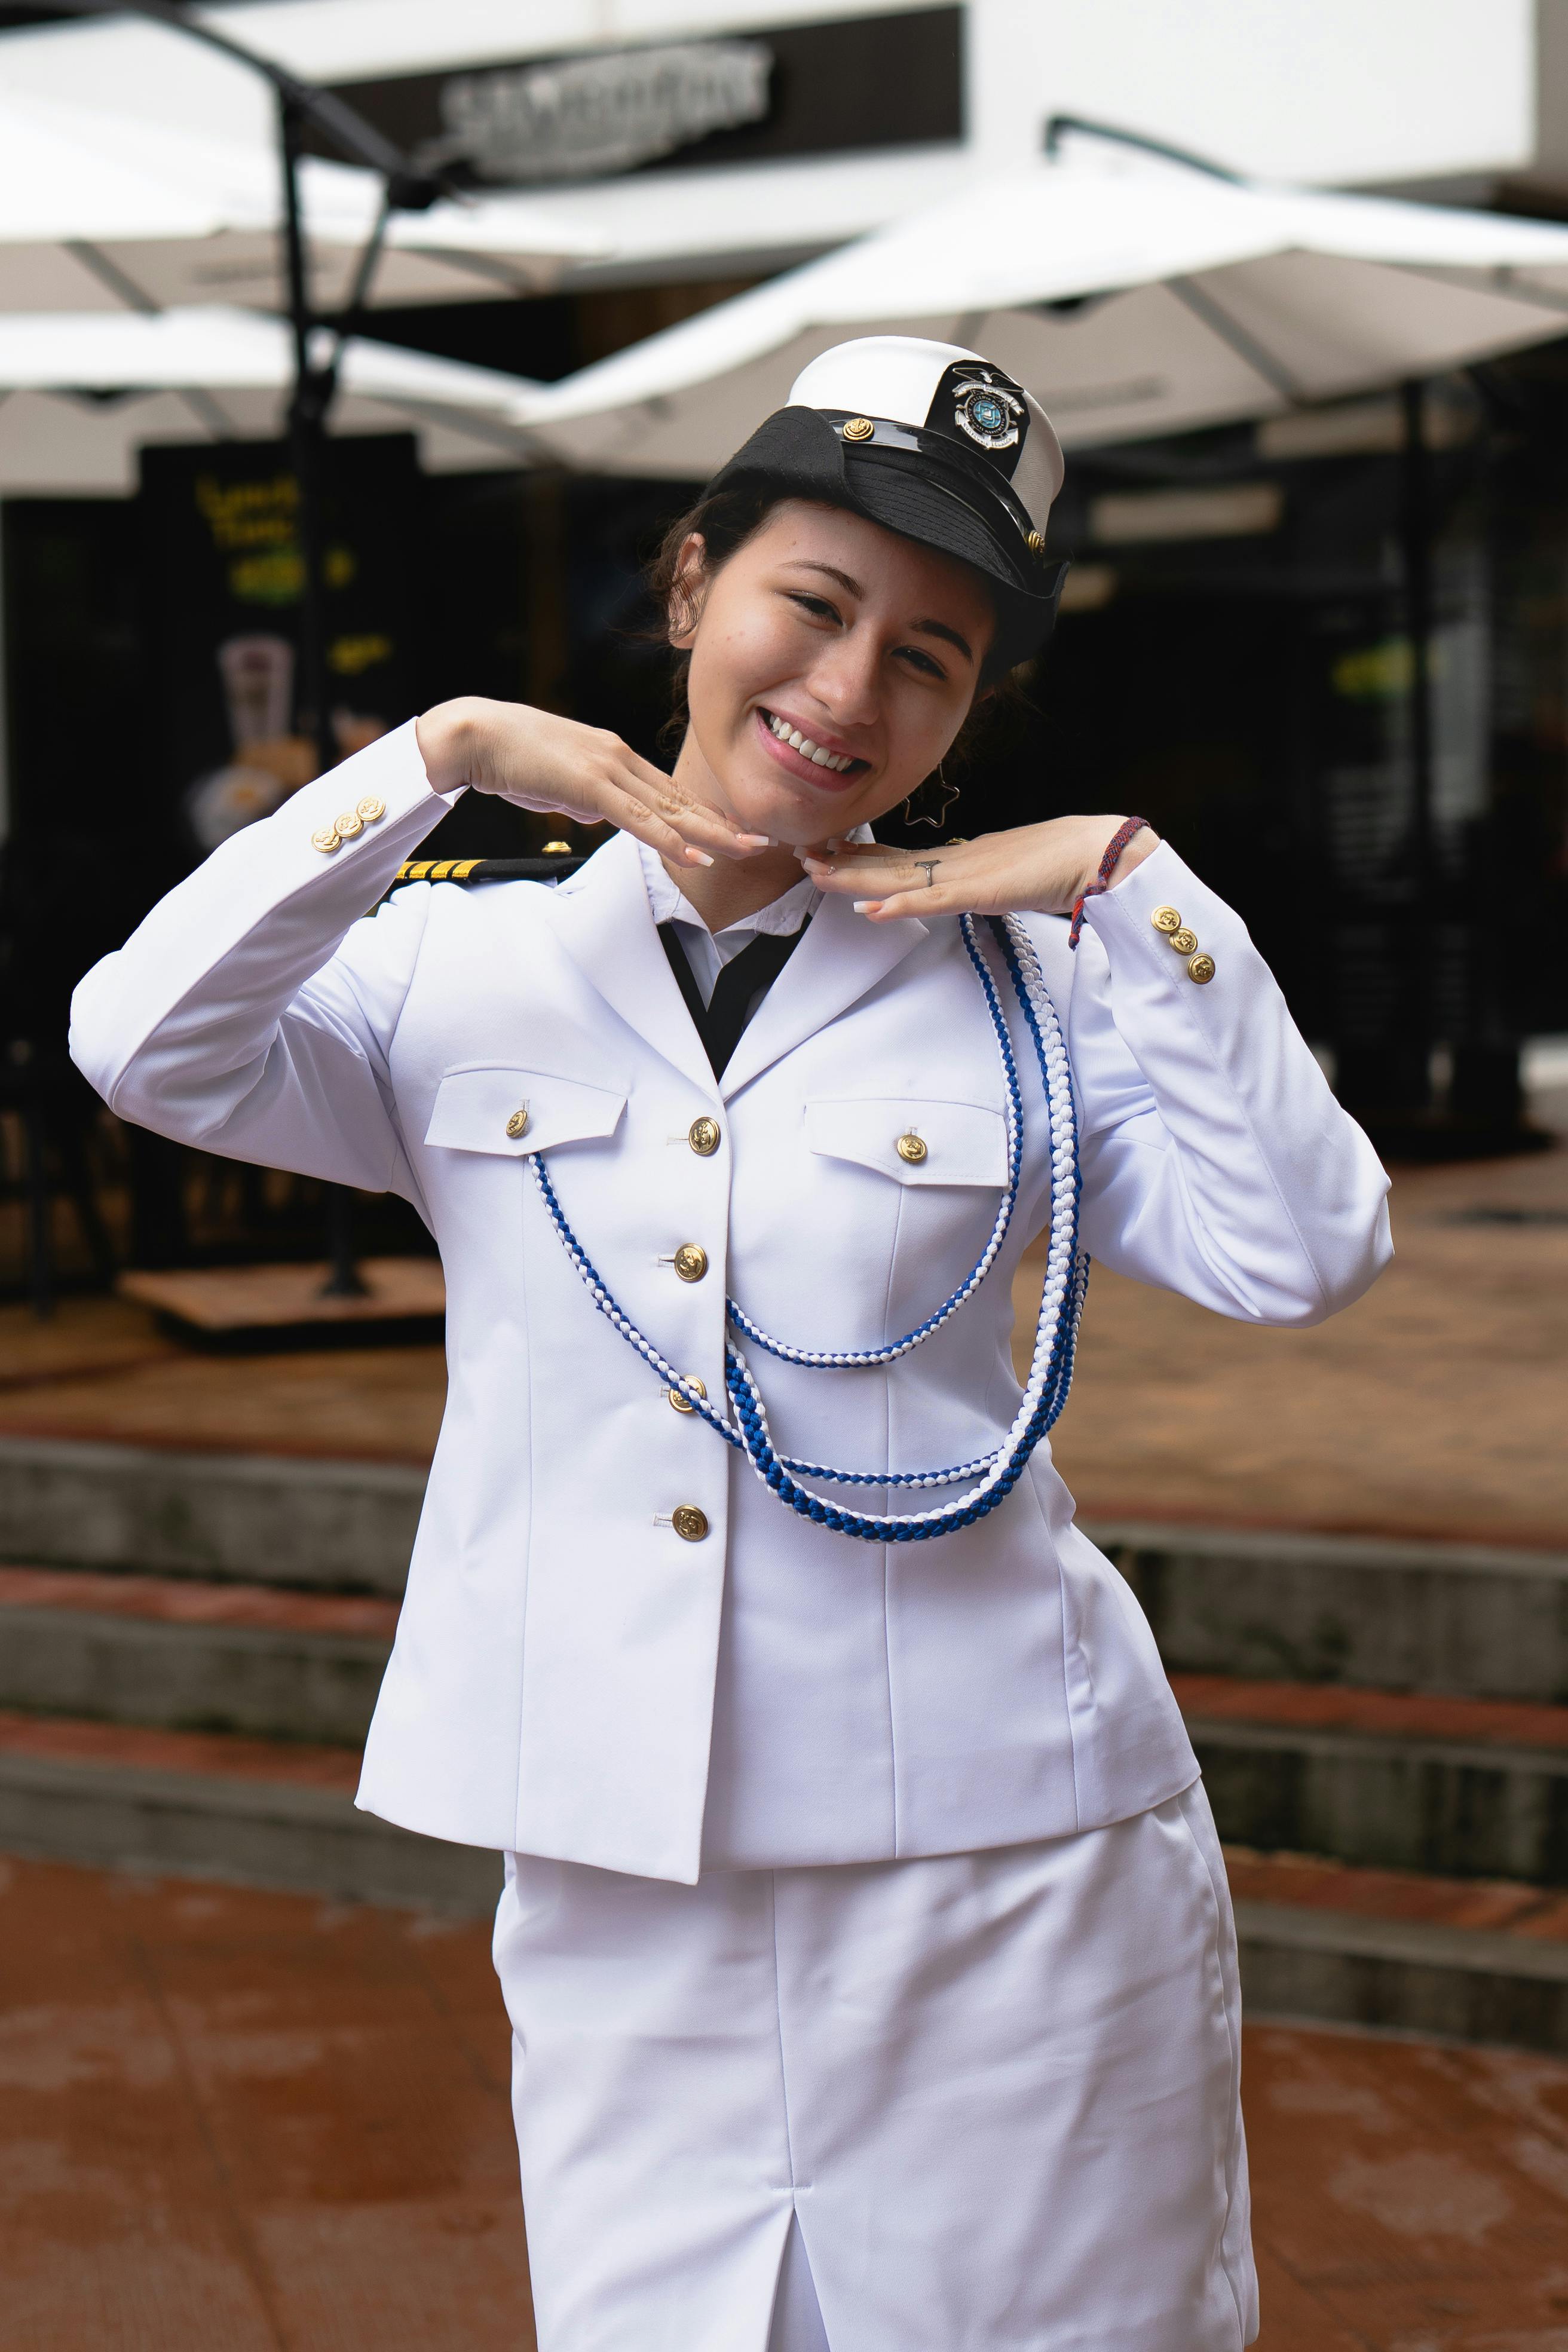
[(1201, 969), (349, 823), (911, 1146), (327, 840), (1165, 919), (683, 1404), (1183, 940), (518, 1123), (690, 1524), (372, 809), (703, 1137), (690, 1262)]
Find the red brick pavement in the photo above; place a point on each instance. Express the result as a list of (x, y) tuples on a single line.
[(265, 2123)]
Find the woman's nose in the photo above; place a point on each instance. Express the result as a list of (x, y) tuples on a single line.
[(845, 678)]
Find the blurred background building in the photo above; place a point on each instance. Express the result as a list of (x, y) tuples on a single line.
[(1236, 659)]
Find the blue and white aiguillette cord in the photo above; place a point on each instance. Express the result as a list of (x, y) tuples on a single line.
[(993, 1476)]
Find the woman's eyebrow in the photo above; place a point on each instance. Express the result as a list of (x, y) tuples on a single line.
[(940, 629), (830, 570)]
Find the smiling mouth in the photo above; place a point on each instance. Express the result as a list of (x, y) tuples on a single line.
[(837, 763)]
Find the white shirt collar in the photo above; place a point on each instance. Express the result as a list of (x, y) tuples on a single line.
[(775, 920)]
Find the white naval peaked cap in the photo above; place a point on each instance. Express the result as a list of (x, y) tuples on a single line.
[(912, 382), (936, 443)]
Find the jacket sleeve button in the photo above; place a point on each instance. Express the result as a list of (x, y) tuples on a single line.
[(1202, 970), (1185, 941), (1166, 919), (372, 808), (326, 840)]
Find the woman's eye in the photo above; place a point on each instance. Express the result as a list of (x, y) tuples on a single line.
[(817, 606), (920, 660)]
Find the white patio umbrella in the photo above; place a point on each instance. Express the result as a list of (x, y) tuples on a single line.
[(103, 210), (79, 395), (1133, 296)]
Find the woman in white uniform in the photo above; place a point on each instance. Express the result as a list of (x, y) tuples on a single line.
[(864, 1937)]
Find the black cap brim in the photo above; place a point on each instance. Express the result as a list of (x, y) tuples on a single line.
[(802, 454)]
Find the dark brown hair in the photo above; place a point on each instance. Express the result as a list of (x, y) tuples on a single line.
[(724, 520)]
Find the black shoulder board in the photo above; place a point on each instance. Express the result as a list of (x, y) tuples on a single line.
[(487, 869)]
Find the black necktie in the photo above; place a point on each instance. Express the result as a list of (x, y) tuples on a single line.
[(745, 979)]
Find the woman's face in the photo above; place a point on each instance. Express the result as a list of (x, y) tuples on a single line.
[(824, 634)]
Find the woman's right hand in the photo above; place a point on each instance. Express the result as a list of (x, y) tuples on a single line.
[(539, 760)]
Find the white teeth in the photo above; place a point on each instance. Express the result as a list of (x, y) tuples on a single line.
[(806, 748)]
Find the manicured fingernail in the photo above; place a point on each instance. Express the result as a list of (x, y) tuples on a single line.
[(754, 841), (697, 856), (867, 906)]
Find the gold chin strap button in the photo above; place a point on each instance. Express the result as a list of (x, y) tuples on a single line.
[(1201, 969), (372, 809), (911, 1147), (1183, 940), (858, 428), (690, 1524), (556, 849), (518, 1123), (691, 1263), (1165, 919), (327, 840), (683, 1404), (704, 1138)]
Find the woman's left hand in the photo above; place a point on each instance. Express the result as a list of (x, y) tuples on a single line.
[(1040, 869)]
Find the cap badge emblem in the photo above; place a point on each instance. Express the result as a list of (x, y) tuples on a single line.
[(989, 415), (858, 428)]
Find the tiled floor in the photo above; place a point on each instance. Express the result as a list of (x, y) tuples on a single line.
[(1434, 1408), (260, 2122)]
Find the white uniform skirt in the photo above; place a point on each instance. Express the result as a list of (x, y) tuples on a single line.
[(981, 2103)]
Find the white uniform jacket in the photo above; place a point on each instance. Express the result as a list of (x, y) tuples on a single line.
[(571, 1678)]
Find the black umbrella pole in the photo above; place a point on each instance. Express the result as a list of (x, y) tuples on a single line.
[(1416, 533), (307, 450)]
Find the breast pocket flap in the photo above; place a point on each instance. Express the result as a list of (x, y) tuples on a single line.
[(914, 1141), (515, 1111)]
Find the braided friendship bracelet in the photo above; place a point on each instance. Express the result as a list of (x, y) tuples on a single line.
[(1098, 888), (1055, 1341)]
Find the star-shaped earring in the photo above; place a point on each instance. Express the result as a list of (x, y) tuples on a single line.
[(943, 795)]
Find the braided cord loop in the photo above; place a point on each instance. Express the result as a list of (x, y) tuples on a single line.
[(842, 1358), (1055, 1337)]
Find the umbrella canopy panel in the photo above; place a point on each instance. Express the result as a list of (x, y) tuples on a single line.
[(112, 211), (80, 396), (1134, 299)]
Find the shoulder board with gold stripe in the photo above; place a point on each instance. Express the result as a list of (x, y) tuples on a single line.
[(487, 869)]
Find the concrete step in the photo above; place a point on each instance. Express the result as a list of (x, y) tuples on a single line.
[(248, 1812), (1401, 1951), (1470, 1788), (192, 1655), (1318, 1609), (342, 1526)]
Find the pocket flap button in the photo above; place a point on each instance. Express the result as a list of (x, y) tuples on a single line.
[(911, 1147), (518, 1123)]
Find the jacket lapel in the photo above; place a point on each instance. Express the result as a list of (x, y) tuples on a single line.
[(841, 957), (603, 920)]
